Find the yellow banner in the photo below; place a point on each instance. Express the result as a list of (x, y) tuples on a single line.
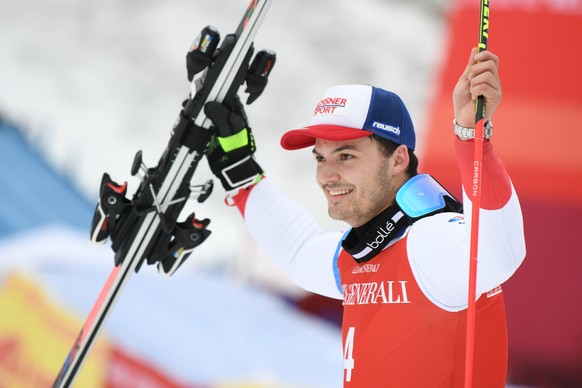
[(36, 336)]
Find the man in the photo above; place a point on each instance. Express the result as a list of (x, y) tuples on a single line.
[(402, 269)]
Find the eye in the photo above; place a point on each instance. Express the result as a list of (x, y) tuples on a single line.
[(319, 158), (346, 156)]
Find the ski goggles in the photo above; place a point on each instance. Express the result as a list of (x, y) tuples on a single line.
[(422, 195)]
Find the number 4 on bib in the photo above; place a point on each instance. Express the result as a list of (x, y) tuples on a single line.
[(348, 353)]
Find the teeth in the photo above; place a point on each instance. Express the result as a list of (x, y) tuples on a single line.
[(339, 192)]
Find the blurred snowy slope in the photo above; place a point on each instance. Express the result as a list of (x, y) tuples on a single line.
[(202, 329)]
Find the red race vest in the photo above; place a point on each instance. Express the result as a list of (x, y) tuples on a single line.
[(394, 336)]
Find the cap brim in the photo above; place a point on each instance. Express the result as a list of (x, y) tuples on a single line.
[(300, 138)]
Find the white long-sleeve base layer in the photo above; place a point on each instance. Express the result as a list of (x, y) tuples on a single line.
[(438, 246)]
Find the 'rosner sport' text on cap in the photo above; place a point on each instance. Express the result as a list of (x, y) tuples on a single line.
[(349, 112)]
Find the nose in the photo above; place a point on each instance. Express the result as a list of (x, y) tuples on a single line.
[(326, 173)]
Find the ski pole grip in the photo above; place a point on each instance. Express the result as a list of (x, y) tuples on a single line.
[(482, 46)]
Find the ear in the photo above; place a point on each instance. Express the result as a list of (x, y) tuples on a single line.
[(400, 159)]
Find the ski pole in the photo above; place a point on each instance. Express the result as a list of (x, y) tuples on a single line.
[(476, 204)]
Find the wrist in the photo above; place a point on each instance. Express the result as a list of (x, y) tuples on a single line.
[(238, 197), (240, 174), (468, 133)]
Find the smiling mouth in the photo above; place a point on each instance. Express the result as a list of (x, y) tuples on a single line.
[(338, 192)]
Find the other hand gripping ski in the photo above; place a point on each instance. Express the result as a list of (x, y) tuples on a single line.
[(146, 227)]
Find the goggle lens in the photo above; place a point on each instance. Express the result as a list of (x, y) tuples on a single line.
[(421, 195)]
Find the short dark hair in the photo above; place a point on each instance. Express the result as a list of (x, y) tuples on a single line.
[(388, 147)]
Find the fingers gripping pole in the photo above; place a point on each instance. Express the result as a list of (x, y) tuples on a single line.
[(475, 196)]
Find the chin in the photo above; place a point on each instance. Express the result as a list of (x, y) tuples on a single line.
[(338, 215)]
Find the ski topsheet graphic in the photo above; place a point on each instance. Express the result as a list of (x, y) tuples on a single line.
[(146, 227)]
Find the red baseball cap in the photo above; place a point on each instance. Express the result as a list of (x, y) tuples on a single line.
[(348, 112)]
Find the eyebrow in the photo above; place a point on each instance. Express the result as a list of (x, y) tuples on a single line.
[(336, 150)]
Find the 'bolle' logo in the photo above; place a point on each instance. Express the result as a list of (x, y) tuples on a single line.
[(383, 233), (332, 105)]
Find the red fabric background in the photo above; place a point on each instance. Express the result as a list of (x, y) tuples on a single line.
[(538, 134)]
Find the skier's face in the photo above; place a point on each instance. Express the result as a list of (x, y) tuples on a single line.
[(358, 180)]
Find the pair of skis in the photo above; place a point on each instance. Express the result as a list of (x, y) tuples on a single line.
[(146, 227)]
